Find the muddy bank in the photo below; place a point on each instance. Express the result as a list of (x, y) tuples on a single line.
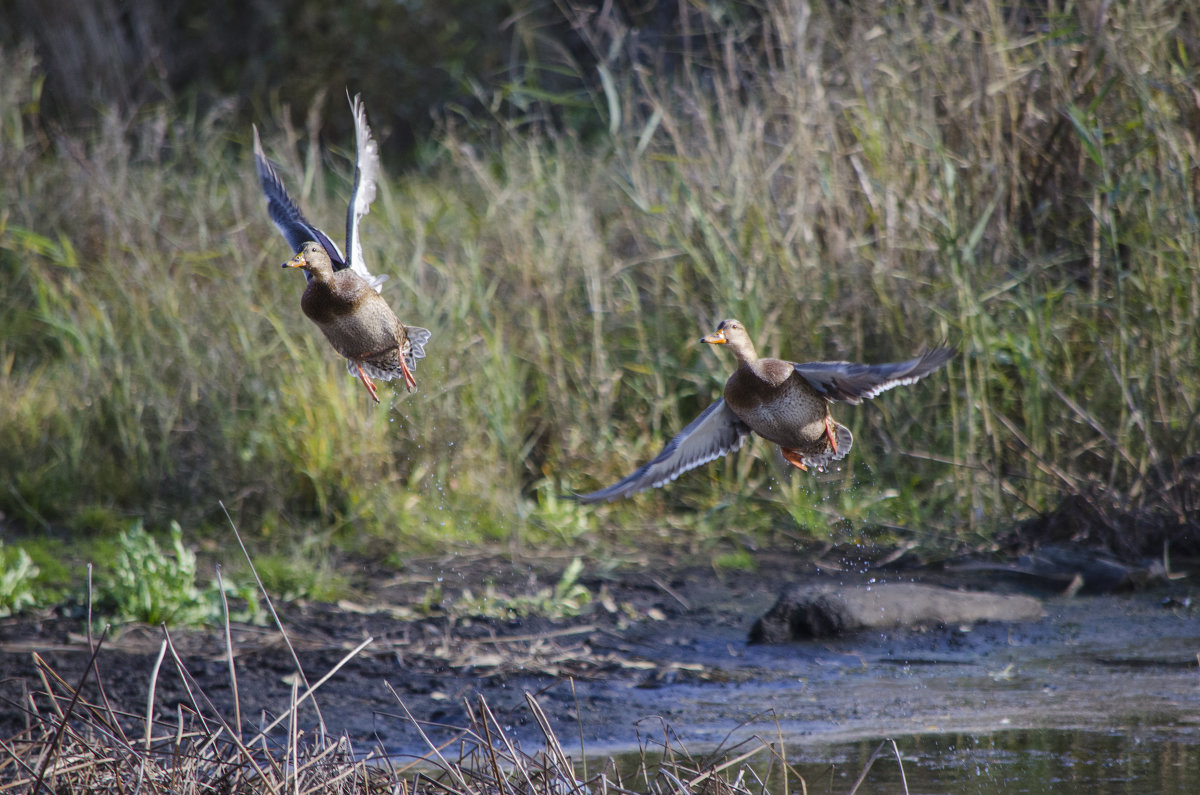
[(657, 649)]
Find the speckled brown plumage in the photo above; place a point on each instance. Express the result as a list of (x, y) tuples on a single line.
[(783, 402), (357, 320), (342, 296), (776, 401)]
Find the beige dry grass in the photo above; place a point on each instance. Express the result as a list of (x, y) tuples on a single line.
[(77, 744)]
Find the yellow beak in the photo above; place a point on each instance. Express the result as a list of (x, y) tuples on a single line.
[(297, 261), (716, 338)]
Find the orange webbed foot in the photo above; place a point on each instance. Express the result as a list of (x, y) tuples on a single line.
[(793, 458), (367, 382), (829, 434)]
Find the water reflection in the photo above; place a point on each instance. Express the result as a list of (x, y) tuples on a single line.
[(1049, 761)]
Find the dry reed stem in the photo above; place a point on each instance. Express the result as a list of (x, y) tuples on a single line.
[(888, 743), (271, 606)]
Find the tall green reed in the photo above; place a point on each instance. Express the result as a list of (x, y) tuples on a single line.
[(853, 182)]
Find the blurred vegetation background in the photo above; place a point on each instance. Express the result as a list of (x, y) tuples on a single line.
[(573, 196)]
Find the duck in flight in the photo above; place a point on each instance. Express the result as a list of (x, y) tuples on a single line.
[(342, 297), (784, 402)]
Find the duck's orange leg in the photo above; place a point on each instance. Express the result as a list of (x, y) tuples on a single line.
[(793, 458), (829, 434), (409, 381), (367, 382)]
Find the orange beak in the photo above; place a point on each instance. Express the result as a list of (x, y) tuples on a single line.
[(716, 338), (297, 261)]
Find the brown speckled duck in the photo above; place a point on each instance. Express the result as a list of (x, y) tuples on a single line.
[(783, 402), (356, 320), (342, 296)]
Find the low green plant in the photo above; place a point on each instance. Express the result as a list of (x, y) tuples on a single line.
[(305, 571), (17, 576), (738, 560), (158, 586), (565, 599), (431, 601), (560, 517)]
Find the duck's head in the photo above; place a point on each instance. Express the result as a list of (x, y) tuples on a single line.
[(313, 258), (733, 333)]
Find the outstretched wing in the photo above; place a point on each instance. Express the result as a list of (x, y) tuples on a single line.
[(288, 219), (853, 382), (366, 172), (714, 433)]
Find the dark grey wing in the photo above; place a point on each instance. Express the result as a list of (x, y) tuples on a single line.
[(366, 172), (296, 230), (853, 382), (714, 433)]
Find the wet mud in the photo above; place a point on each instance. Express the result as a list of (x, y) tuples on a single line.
[(656, 652)]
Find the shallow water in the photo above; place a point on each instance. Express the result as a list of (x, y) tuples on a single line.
[(1047, 761), (1101, 695), (1034, 761)]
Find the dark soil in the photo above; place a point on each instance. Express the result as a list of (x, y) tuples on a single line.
[(665, 645)]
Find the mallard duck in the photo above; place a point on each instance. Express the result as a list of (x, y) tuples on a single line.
[(784, 402), (356, 320), (342, 296)]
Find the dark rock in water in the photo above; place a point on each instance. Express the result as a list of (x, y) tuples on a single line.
[(822, 611)]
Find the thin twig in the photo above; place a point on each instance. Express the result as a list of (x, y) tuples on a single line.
[(237, 704), (262, 733), (117, 729), (62, 723), (271, 606), (454, 771), (671, 593), (875, 755), (162, 652)]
